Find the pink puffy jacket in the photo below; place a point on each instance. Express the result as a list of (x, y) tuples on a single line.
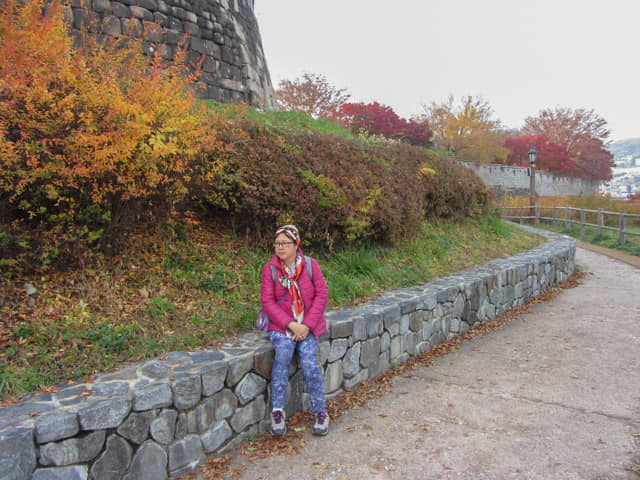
[(313, 291)]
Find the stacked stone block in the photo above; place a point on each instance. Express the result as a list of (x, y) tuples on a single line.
[(221, 36), (163, 417)]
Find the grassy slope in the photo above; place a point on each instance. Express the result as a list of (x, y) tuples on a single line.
[(186, 291)]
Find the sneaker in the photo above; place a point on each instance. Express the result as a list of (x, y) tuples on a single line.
[(321, 427), (278, 427)]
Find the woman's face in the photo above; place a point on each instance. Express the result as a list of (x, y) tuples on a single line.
[(285, 248)]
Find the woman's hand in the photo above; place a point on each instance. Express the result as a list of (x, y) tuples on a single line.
[(300, 331)]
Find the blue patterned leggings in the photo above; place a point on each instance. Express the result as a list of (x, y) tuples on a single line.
[(307, 355)]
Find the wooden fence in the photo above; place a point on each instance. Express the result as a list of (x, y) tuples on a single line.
[(600, 219)]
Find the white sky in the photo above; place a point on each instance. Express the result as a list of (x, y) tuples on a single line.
[(520, 55)]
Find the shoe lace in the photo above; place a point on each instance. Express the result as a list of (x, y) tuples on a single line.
[(277, 416), (320, 417)]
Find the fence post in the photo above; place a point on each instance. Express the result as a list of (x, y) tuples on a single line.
[(622, 226), (567, 217), (504, 211), (582, 220), (555, 215), (521, 215), (600, 221), (537, 214)]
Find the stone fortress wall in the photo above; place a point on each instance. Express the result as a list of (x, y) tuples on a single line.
[(162, 417), (515, 181), (223, 34)]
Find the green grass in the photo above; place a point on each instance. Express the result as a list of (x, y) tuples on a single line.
[(608, 238), (285, 120), (200, 288)]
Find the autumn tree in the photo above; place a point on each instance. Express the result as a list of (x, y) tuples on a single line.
[(467, 129), (377, 119), (312, 94), (582, 133), (551, 157)]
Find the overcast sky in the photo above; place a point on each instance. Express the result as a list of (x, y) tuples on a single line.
[(521, 56)]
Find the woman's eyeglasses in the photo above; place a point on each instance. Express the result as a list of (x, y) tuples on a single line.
[(282, 244)]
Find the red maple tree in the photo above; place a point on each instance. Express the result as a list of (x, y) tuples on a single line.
[(551, 156), (582, 133), (381, 120)]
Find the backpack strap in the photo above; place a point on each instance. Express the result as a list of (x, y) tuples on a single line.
[(273, 273), (308, 262)]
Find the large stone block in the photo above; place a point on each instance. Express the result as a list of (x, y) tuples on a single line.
[(56, 426), (205, 414), (17, 454), (338, 349), (340, 328), (213, 376), (136, 426), (157, 395), (324, 349), (238, 367), (351, 361), (369, 351), (187, 390), (149, 463), (163, 428), (251, 414), (104, 414), (375, 324), (114, 461), (385, 341), (111, 26), (415, 320), (74, 450), (75, 472), (381, 364), (359, 328), (250, 387), (333, 377), (391, 317), (216, 436), (187, 451), (397, 347), (263, 361), (225, 403)]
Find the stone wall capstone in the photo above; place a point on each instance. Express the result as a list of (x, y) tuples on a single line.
[(220, 35), (162, 417)]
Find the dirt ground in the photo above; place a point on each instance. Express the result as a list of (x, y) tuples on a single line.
[(551, 393)]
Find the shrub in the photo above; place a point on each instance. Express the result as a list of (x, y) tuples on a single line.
[(92, 141), (339, 190)]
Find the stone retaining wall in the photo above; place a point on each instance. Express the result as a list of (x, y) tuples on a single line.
[(162, 417)]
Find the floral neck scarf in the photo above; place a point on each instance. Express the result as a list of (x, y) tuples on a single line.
[(290, 282)]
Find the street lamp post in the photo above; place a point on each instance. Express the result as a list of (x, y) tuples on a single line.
[(532, 184)]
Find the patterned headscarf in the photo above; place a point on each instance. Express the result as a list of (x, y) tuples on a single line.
[(290, 231)]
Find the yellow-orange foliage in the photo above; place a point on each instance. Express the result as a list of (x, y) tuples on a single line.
[(86, 135)]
